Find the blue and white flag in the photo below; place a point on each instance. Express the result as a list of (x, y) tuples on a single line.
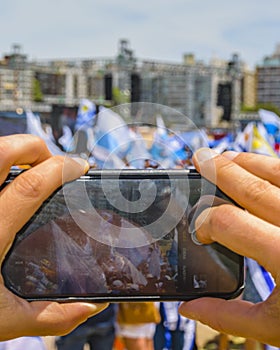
[(160, 140), (260, 144), (195, 139), (105, 159), (34, 127), (137, 152), (270, 120), (262, 279), (67, 139), (86, 114), (263, 282), (112, 133), (243, 140), (223, 144), (173, 321)]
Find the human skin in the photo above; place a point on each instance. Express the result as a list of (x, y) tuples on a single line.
[(253, 181), (18, 202)]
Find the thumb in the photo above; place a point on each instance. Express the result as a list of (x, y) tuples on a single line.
[(236, 317), (52, 318)]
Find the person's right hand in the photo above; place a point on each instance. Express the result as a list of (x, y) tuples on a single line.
[(18, 202), (253, 181)]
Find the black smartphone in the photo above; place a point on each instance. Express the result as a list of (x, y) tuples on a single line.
[(122, 235)]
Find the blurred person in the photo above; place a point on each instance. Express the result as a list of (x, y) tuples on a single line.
[(18, 202), (174, 331), (136, 324), (253, 181), (98, 332), (30, 343)]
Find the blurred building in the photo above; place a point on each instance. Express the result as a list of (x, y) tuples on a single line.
[(249, 87), (268, 79), (206, 93), (15, 81)]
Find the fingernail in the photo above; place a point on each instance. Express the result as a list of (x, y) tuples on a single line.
[(204, 154), (93, 309), (83, 163), (230, 154), (195, 239)]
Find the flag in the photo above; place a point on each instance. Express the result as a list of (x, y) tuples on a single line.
[(195, 139), (172, 321), (138, 152), (105, 159), (158, 149), (270, 120), (34, 127), (161, 128), (86, 114), (112, 133), (66, 140), (223, 144), (243, 139), (263, 282), (267, 136), (260, 145)]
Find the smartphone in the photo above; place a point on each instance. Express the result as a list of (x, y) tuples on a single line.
[(122, 235)]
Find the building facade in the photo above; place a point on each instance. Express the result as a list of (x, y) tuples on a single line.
[(268, 79), (205, 93)]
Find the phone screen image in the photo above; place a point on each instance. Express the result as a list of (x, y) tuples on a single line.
[(119, 237)]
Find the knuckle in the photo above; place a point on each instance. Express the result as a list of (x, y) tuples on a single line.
[(221, 217), (29, 185), (275, 167), (5, 150), (58, 160), (57, 163), (220, 169), (254, 190), (38, 141)]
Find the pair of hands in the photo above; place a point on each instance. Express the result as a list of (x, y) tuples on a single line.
[(251, 180)]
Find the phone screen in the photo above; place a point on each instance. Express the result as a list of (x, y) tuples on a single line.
[(118, 236)]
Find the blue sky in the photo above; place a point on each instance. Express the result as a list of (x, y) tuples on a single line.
[(156, 29)]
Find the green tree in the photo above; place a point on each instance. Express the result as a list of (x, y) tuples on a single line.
[(119, 96), (37, 92), (268, 106)]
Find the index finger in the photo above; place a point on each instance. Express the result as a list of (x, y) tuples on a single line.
[(21, 150), (257, 195), (268, 168)]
